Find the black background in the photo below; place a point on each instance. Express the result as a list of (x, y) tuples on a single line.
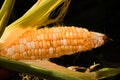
[(96, 15)]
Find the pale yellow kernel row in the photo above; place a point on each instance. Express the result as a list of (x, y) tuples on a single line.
[(43, 53)]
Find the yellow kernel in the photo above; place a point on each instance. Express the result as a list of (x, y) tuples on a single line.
[(21, 56), (36, 52), (58, 43), (74, 42), (48, 44), (40, 52), (50, 37), (25, 47), (28, 38), (58, 50), (2, 53), (67, 48), (32, 57), (54, 44), (36, 44), (40, 44), (43, 55), (28, 53), (44, 44), (17, 56), (25, 55), (13, 56)]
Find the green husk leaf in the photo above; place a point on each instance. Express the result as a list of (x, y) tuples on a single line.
[(44, 69), (107, 72), (5, 12), (50, 71), (38, 14)]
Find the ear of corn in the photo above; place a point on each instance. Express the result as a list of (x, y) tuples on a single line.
[(52, 42)]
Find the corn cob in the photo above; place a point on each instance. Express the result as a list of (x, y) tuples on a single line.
[(53, 42)]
